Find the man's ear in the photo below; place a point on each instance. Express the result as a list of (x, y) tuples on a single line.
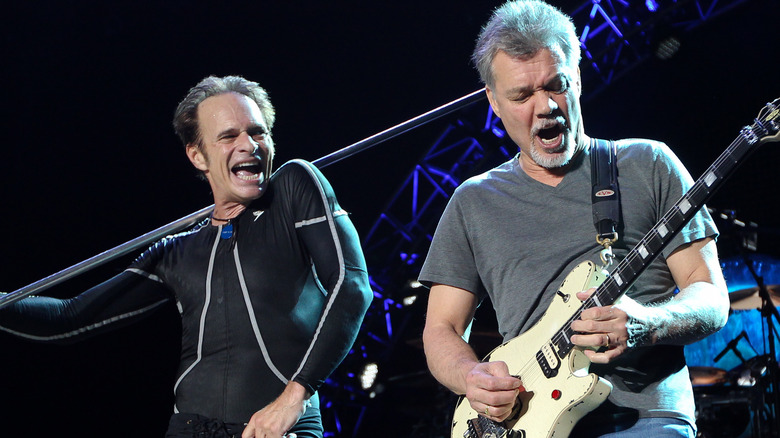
[(196, 157), (492, 100), (579, 82)]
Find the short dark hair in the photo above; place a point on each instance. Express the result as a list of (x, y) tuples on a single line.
[(185, 120)]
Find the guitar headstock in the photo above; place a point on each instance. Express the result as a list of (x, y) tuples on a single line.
[(767, 126)]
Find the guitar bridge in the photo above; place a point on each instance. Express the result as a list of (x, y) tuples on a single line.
[(482, 427)]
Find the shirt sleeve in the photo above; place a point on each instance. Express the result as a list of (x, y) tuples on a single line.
[(333, 244), (114, 303), (450, 259), (675, 180)]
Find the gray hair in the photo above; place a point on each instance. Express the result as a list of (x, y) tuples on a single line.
[(521, 29), (185, 120)]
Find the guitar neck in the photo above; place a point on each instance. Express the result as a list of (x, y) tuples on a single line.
[(651, 245)]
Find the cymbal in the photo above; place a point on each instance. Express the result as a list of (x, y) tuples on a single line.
[(741, 274), (707, 376), (748, 299)]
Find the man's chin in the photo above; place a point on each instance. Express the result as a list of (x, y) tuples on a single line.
[(245, 195), (552, 160)]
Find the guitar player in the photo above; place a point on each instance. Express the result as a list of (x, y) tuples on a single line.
[(513, 234)]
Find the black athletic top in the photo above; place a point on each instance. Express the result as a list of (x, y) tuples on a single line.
[(276, 295)]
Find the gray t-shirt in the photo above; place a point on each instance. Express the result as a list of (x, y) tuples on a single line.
[(514, 239)]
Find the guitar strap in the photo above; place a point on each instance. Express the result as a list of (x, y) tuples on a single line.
[(606, 194)]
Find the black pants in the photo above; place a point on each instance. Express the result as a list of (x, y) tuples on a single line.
[(198, 426)]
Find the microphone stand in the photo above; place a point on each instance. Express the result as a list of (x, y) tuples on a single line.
[(193, 218), (732, 346)]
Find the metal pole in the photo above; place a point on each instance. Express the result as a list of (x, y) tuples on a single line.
[(396, 130), (190, 220)]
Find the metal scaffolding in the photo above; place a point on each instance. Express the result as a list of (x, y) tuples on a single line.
[(617, 35)]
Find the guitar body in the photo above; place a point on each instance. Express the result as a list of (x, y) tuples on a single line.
[(551, 406)]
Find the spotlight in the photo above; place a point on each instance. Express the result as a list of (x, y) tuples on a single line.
[(651, 5), (368, 376), (408, 301), (414, 284)]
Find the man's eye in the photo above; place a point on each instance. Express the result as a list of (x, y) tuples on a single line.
[(559, 87), (521, 98)]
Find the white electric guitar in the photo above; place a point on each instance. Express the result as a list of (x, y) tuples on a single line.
[(559, 388)]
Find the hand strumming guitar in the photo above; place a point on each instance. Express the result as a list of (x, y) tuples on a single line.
[(491, 390)]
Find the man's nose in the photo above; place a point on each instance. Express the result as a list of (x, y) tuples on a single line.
[(247, 144), (547, 105)]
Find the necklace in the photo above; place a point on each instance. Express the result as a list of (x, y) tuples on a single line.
[(227, 229), (222, 220)]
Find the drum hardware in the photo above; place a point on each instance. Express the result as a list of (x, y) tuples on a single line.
[(751, 372), (735, 384), (770, 315), (707, 376), (762, 372), (744, 234), (746, 299), (724, 411), (733, 404), (732, 346), (727, 411)]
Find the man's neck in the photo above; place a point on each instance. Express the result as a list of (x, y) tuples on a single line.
[(550, 177), (223, 213)]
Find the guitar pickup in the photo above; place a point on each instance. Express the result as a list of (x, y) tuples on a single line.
[(548, 360)]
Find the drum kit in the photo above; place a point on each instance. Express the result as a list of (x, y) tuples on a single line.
[(735, 371)]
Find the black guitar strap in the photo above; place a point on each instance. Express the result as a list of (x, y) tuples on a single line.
[(606, 193)]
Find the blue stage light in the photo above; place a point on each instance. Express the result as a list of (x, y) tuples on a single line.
[(652, 5)]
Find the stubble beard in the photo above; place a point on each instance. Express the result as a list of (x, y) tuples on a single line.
[(561, 158)]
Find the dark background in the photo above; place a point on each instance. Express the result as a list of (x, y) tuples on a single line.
[(90, 161)]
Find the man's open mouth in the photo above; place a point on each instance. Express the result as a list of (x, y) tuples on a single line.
[(550, 136), (249, 171)]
